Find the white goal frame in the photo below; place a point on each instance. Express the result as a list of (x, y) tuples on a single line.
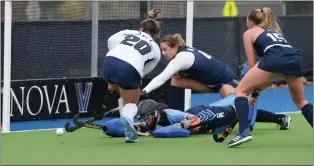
[(6, 89)]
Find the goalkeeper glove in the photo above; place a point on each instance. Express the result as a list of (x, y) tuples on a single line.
[(194, 123), (256, 93), (143, 93)]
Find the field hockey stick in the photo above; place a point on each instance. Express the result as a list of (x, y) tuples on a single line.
[(99, 127), (226, 132), (69, 128), (99, 116), (91, 125), (89, 121)]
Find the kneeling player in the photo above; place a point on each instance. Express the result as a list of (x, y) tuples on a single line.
[(198, 119)]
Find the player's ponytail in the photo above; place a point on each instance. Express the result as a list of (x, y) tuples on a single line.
[(181, 42), (150, 25), (172, 41), (264, 18), (271, 21)]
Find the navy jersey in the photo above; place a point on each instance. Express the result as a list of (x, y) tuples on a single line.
[(207, 69), (212, 116), (273, 42)]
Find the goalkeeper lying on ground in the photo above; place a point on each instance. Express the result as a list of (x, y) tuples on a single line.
[(198, 119), (217, 117)]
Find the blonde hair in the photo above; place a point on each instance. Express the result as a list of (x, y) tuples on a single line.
[(172, 41), (264, 18)]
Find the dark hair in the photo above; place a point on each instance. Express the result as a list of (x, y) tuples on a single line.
[(172, 41), (151, 27), (264, 18)]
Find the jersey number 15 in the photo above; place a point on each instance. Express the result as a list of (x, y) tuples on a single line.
[(140, 45), (276, 37)]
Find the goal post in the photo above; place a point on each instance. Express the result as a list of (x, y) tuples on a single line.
[(7, 66), (107, 17), (189, 42), (94, 53)]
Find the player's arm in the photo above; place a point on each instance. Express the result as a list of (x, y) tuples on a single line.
[(182, 61), (149, 66), (184, 120), (249, 49)]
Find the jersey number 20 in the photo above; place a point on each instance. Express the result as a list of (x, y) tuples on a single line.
[(140, 45)]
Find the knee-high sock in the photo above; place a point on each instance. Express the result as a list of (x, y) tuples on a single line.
[(129, 110), (120, 104), (307, 112), (267, 116), (242, 109)]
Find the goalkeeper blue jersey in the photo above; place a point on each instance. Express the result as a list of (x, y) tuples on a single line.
[(175, 116)]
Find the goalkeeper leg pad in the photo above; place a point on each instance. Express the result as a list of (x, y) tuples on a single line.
[(114, 128), (252, 116), (171, 132)]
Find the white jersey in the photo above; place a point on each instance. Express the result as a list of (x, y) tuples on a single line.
[(136, 48)]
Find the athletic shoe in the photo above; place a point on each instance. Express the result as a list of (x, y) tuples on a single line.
[(130, 132), (285, 123), (241, 138)]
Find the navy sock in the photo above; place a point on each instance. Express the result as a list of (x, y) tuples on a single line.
[(307, 112), (242, 109), (176, 98), (266, 116)]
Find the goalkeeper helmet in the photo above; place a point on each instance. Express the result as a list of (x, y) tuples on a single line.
[(149, 109)]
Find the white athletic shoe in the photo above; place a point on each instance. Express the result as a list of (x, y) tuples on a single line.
[(241, 138), (285, 122), (130, 132)]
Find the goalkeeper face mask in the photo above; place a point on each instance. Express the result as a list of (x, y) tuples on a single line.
[(148, 113), (151, 120)]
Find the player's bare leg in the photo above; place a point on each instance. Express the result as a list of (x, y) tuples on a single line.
[(297, 94), (115, 88), (245, 87), (226, 90), (129, 110), (189, 83), (197, 86)]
